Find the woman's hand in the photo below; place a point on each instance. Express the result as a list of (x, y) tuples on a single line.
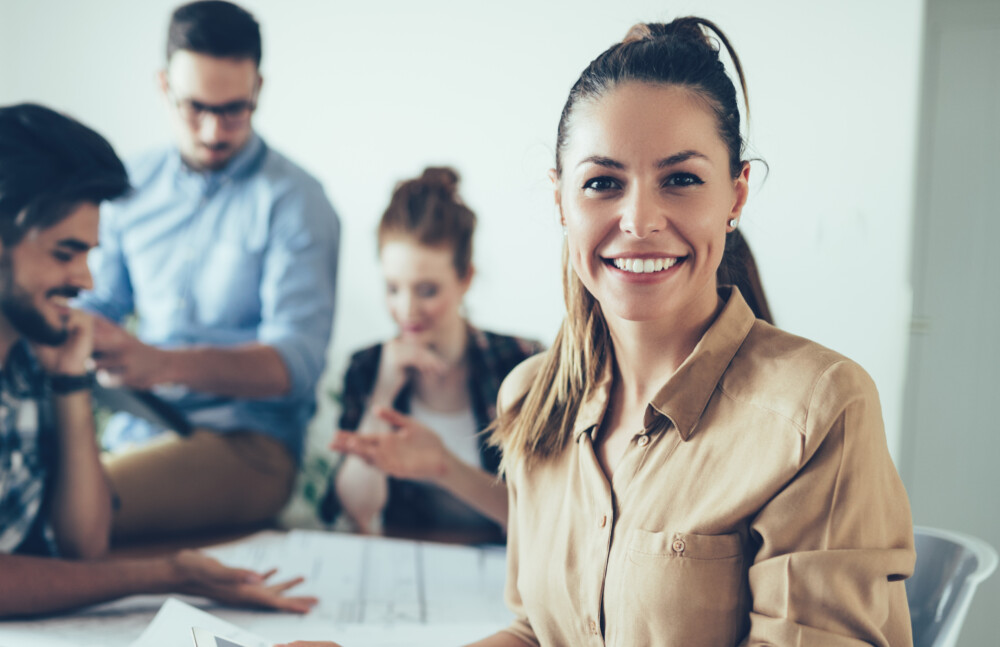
[(199, 574), (411, 451), (399, 358)]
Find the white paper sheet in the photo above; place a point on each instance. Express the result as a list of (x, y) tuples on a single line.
[(172, 628)]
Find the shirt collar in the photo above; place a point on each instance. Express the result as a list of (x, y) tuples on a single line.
[(20, 374), (243, 163), (684, 396), (595, 403)]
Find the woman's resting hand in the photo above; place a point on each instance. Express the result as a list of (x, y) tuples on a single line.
[(411, 451)]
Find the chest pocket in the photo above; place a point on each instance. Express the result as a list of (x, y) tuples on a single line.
[(683, 589)]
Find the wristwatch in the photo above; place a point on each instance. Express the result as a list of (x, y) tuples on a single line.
[(61, 384)]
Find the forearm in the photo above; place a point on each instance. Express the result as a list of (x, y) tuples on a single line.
[(37, 585), (481, 490), (81, 499), (250, 371), (363, 492)]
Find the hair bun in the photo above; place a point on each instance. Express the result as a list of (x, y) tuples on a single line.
[(443, 177), (689, 28), (638, 32)]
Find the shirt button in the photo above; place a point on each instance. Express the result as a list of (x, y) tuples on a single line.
[(593, 628), (603, 521), (678, 546), (643, 440)]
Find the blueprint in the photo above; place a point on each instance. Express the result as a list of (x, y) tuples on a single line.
[(373, 592)]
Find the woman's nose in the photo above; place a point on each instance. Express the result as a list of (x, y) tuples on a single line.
[(641, 214)]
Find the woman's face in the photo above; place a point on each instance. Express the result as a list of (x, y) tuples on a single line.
[(423, 291), (646, 197)]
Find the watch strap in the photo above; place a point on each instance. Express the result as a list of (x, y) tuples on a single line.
[(61, 384)]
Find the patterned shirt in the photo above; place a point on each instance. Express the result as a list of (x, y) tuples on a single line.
[(26, 454), (490, 358)]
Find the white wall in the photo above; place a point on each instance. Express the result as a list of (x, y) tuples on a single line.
[(949, 452), (366, 94)]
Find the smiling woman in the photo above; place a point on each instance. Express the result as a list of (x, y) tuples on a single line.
[(699, 476)]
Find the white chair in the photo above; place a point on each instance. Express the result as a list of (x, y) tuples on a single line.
[(950, 565)]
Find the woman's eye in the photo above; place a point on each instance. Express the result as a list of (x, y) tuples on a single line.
[(390, 289), (683, 179), (426, 291), (601, 184)]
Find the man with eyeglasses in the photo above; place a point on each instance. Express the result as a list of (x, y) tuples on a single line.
[(226, 251), (55, 503)]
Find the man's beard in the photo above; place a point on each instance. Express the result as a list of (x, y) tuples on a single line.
[(17, 308)]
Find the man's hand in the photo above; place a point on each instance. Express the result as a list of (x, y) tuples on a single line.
[(201, 575), (126, 361), (412, 451), (72, 357)]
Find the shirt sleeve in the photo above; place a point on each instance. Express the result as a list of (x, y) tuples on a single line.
[(297, 284), (836, 542), (521, 627), (112, 295)]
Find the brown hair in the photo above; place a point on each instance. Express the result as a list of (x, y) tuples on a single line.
[(739, 269), (680, 53), (429, 210)]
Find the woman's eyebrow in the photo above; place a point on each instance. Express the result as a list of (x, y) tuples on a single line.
[(600, 160), (682, 156), (676, 158)]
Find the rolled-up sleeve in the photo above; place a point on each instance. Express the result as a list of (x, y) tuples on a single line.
[(520, 627), (298, 283), (836, 542)]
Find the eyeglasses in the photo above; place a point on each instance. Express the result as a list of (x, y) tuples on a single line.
[(231, 116)]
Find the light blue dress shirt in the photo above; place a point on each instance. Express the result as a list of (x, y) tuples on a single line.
[(242, 254)]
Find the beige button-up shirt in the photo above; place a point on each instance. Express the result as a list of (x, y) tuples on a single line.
[(758, 505)]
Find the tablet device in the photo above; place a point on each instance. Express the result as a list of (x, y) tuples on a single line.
[(143, 404), (205, 638)]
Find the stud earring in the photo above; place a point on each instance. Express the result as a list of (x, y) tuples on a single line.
[(733, 222)]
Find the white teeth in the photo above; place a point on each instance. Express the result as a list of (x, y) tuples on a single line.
[(62, 301), (644, 265)]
